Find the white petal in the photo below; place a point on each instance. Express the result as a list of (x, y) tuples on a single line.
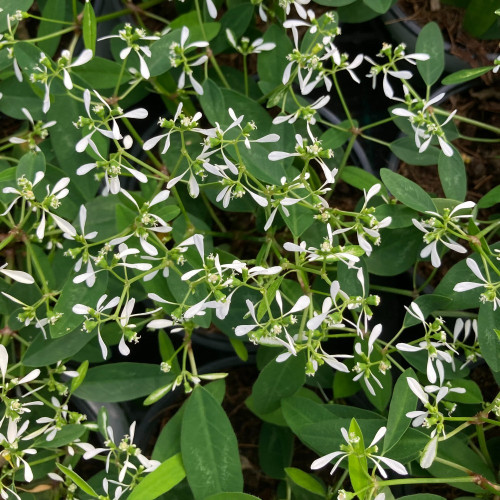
[(18, 276), (4, 360), (472, 265), (321, 462), (429, 454)]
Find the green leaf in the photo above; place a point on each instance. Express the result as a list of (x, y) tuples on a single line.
[(403, 401), (405, 149), (465, 75), (343, 385), (209, 447), (318, 426), (387, 259), (334, 138), (455, 450), (430, 41), (382, 394), (54, 10), (66, 435), (43, 352), (161, 480), (422, 496), (237, 20), (167, 351), (275, 450), (490, 199), (211, 100), (27, 56), (472, 395), (452, 175), (358, 463), (488, 323), (300, 219), (335, 3), (231, 496), (277, 381), (29, 164), (401, 216), (305, 480), (239, 348), (9, 7), (409, 447), (157, 394), (406, 191), (158, 63), (18, 95), (190, 20), (460, 272), (89, 26), (82, 373), (274, 417), (80, 482), (380, 6), (169, 439), (100, 73), (271, 64), (136, 380), (361, 179), (64, 136), (479, 16), (71, 294)]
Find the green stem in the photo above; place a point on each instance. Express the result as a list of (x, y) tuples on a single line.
[(209, 52), (47, 20), (120, 76), (214, 216), (477, 139), (459, 429), (52, 35), (390, 289), (464, 119), (376, 124), (37, 266), (483, 447), (374, 139), (245, 73), (122, 12), (426, 480), (342, 100), (14, 231)]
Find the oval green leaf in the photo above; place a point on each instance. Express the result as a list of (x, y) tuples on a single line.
[(209, 447), (406, 191)]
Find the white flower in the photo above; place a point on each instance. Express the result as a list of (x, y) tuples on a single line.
[(363, 369), (132, 36), (178, 58), (39, 131), (489, 295), (306, 112), (91, 314), (114, 133), (369, 452), (82, 59), (426, 126)]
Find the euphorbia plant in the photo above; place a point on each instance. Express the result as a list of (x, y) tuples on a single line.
[(225, 215)]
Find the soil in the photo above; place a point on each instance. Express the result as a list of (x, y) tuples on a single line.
[(463, 45)]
